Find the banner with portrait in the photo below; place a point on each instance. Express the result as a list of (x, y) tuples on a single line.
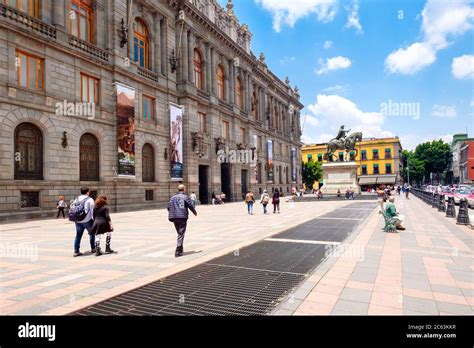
[(176, 143), (126, 130), (293, 164), (270, 160)]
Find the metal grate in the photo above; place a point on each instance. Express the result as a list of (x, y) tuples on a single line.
[(250, 281)]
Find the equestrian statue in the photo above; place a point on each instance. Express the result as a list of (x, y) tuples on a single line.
[(343, 142)]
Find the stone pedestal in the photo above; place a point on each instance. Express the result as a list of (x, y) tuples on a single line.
[(340, 176)]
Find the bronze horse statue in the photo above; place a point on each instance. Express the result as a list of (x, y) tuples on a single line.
[(346, 144)]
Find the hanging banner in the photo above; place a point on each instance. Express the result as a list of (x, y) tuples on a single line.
[(126, 130), (270, 160), (176, 138), (293, 164)]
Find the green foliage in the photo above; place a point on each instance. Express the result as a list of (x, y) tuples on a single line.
[(312, 171), (429, 157)]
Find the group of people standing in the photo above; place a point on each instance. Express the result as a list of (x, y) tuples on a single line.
[(264, 201)]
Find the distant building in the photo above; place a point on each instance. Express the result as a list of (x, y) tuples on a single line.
[(454, 173), (466, 163), (379, 160)]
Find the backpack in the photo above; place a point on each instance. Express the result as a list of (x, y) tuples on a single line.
[(77, 211), (266, 199)]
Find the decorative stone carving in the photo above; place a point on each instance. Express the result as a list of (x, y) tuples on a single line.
[(198, 144), (230, 8), (220, 144), (287, 81), (262, 58)]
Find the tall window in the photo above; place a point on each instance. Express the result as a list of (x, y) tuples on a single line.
[(275, 118), (363, 155), (148, 108), (320, 157), (254, 105), (375, 154), (198, 69), (28, 152), (141, 44), (364, 169), (220, 82), (89, 158), (242, 135), (281, 149), (148, 163), (376, 169), (388, 153), (30, 7), (240, 94), (89, 89), (388, 169), (202, 123), (225, 130), (30, 72), (82, 20)]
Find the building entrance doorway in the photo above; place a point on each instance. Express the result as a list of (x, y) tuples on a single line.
[(204, 184)]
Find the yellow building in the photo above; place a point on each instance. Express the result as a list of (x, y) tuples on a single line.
[(379, 161)]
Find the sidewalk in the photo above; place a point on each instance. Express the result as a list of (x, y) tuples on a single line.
[(425, 270), (44, 278)]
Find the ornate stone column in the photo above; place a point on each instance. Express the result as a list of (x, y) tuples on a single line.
[(59, 11), (184, 55)]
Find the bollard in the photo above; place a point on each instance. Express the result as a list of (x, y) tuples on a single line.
[(434, 202), (441, 204), (451, 209), (463, 216)]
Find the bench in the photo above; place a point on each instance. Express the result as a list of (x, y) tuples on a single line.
[(390, 223)]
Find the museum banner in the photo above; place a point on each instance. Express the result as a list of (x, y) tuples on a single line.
[(270, 160), (293, 164), (126, 130), (176, 142)]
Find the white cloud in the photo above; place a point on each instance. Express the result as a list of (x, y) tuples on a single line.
[(334, 63), (309, 120), (410, 60), (337, 89), (327, 44), (353, 18), (444, 111), (288, 12), (442, 20), (287, 60), (334, 111), (463, 67)]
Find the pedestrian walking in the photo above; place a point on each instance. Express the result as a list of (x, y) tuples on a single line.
[(81, 213), (61, 205), (178, 214), (276, 201), (264, 200), (407, 193), (250, 200), (102, 225), (193, 198)]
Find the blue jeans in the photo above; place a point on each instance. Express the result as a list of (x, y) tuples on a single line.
[(265, 208), (80, 231), (250, 207)]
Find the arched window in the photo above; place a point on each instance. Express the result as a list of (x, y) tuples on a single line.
[(82, 20), (254, 105), (198, 69), (141, 44), (89, 158), (240, 94), (148, 163), (221, 82), (28, 154)]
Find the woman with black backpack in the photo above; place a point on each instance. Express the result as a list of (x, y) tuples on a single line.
[(276, 201)]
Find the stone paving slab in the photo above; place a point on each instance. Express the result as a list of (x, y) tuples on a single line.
[(42, 277), (425, 270)]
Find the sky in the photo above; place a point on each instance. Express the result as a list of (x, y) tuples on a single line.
[(387, 68)]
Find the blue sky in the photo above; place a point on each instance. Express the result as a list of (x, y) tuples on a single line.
[(356, 61)]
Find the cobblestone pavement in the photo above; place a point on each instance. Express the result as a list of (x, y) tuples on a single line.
[(425, 270), (40, 276)]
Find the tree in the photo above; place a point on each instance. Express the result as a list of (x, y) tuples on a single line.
[(436, 155), (416, 166), (312, 172)]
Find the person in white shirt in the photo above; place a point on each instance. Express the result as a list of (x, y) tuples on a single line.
[(193, 199), (86, 223)]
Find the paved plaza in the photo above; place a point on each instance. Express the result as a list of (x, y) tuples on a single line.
[(427, 269)]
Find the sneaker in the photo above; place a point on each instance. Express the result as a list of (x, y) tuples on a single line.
[(93, 251), (178, 254), (77, 254)]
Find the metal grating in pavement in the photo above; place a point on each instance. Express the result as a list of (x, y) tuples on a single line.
[(250, 281)]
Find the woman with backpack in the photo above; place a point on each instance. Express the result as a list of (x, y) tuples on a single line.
[(250, 200), (264, 200), (276, 201), (102, 225)]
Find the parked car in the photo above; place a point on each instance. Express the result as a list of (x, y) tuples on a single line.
[(470, 199), (461, 192), (447, 192)]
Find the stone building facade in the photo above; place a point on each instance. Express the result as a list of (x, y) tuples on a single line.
[(190, 53)]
